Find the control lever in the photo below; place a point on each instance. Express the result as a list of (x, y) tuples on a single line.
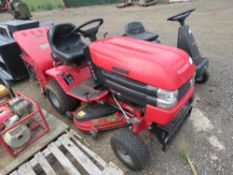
[(121, 109)]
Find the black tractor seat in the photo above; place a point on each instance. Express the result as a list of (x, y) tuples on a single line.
[(66, 48), (137, 30)]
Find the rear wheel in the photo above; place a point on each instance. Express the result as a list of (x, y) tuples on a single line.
[(130, 149), (204, 77), (59, 100)]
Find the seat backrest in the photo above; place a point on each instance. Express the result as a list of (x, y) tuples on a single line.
[(56, 39), (66, 47), (134, 28), (55, 34)]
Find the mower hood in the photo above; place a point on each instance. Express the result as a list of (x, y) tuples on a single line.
[(150, 63)]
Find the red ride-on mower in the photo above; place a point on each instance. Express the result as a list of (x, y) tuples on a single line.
[(119, 80)]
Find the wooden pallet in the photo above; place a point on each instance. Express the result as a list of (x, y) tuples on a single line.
[(66, 146), (8, 163)]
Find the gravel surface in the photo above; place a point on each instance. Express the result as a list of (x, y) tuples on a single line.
[(208, 134)]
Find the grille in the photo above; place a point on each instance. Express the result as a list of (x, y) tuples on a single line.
[(183, 89)]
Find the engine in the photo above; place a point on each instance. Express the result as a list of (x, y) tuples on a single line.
[(9, 115)]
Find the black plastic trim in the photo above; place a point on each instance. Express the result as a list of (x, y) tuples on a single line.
[(166, 133), (183, 89), (130, 90), (120, 70), (132, 84)]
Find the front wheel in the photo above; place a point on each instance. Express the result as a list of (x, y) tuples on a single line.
[(59, 100), (130, 149), (204, 77)]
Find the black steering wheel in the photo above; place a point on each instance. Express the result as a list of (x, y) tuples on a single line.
[(181, 16), (91, 32)]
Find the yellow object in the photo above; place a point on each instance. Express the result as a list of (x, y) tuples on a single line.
[(3, 91), (81, 114)]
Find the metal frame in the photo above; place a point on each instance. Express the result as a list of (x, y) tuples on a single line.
[(35, 123)]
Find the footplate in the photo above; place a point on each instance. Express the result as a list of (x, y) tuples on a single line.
[(166, 133), (87, 90)]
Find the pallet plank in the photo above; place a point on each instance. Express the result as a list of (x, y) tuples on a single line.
[(73, 144), (86, 163), (95, 156), (26, 169), (14, 173), (64, 161), (45, 164)]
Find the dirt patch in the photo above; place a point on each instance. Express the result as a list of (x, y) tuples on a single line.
[(213, 140), (199, 121)]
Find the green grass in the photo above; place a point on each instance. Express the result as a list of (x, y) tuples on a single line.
[(43, 4)]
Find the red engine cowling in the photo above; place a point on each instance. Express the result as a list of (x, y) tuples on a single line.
[(136, 69)]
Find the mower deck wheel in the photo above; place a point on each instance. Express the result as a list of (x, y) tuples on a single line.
[(203, 78), (130, 149), (57, 97)]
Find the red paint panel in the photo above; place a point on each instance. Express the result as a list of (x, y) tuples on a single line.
[(34, 44), (151, 63)]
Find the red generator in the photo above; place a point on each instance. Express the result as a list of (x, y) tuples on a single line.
[(21, 124)]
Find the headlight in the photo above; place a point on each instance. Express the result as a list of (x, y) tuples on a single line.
[(166, 99)]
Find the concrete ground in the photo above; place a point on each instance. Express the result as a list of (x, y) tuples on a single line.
[(208, 134)]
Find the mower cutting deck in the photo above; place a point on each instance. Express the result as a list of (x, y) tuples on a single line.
[(101, 85)]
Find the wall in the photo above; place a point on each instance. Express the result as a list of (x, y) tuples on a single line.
[(75, 3)]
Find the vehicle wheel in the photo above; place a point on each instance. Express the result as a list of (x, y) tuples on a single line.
[(57, 97), (203, 78), (130, 149)]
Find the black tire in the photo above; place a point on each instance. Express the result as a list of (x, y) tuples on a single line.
[(203, 78), (130, 149), (59, 100)]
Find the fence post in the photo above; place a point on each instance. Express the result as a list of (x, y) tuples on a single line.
[(63, 4)]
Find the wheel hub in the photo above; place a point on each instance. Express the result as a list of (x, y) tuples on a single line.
[(54, 100), (124, 155)]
